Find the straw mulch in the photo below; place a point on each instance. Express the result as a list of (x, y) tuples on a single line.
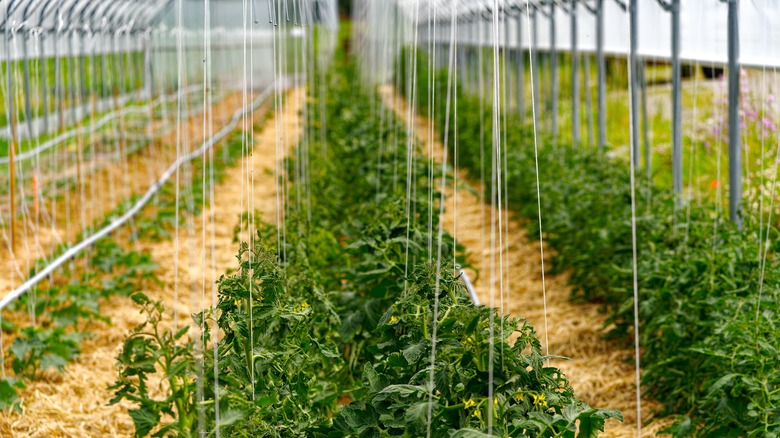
[(74, 403), (600, 370)]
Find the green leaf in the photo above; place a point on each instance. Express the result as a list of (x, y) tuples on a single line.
[(9, 398), (413, 353), (374, 380), (418, 413), (144, 421)]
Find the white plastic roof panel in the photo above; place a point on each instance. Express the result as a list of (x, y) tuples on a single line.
[(702, 25)]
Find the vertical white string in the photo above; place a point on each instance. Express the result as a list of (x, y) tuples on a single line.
[(538, 187), (440, 237), (412, 91), (179, 74), (766, 241), (496, 195), (632, 135)]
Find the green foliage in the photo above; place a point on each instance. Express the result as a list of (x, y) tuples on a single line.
[(528, 398), (275, 349), (9, 399), (326, 327), (37, 350), (149, 348), (708, 308)]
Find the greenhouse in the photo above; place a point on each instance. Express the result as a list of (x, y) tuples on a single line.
[(375, 218)]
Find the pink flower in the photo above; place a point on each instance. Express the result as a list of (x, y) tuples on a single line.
[(768, 124)]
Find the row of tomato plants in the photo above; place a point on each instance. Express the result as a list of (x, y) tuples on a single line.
[(327, 326), (708, 291)]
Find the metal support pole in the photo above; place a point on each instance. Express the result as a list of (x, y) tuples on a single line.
[(735, 149), (59, 84), (575, 79), (461, 64), (476, 58), (507, 66), (588, 98), (632, 11), (26, 84), (677, 166), (12, 145), (601, 73), (520, 69), (553, 75), (44, 84), (535, 65), (645, 120), (489, 67)]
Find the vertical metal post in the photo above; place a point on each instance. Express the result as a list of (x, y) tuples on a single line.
[(480, 63), (588, 98), (575, 84), (507, 65), (489, 63), (59, 84), (12, 145), (735, 149), (476, 59), (520, 69), (677, 167), (601, 73), (84, 92), (535, 65), (553, 74), (44, 84), (646, 122), (632, 11), (26, 84), (149, 74)]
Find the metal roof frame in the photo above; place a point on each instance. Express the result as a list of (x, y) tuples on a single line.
[(56, 16)]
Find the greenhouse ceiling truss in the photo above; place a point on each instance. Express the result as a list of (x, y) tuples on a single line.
[(59, 16)]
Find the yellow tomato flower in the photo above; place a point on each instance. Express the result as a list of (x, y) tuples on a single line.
[(519, 397), (540, 401), (393, 319), (469, 403)]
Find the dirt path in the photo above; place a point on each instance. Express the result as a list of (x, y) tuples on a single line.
[(73, 404), (598, 370)]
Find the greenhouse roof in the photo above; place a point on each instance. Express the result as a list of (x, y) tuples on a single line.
[(427, 10), (81, 15)]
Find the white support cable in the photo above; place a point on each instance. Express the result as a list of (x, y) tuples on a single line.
[(153, 189), (634, 240)]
